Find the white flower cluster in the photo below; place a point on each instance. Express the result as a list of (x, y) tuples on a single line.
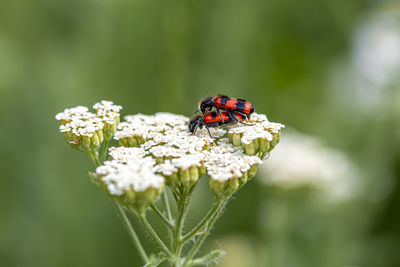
[(79, 121), (130, 178), (259, 137), (260, 130), (107, 111), (181, 157), (304, 160), (136, 175), (225, 161), (81, 126)]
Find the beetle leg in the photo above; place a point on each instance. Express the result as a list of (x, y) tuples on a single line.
[(195, 129), (233, 115), (220, 114), (248, 124), (208, 130)]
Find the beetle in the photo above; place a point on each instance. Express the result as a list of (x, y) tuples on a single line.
[(225, 103), (214, 120)]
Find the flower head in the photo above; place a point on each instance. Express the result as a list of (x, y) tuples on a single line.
[(109, 115), (133, 182), (258, 138), (85, 129), (81, 127), (182, 158)]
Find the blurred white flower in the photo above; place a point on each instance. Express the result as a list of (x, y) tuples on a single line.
[(303, 160), (377, 49), (376, 60), (368, 80)]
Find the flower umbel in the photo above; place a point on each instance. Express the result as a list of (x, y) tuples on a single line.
[(86, 131), (133, 183), (158, 150)]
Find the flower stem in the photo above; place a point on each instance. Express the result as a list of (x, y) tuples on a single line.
[(105, 146), (162, 217), (199, 242), (202, 223), (94, 156), (151, 231), (166, 205), (183, 206), (130, 230), (165, 201)]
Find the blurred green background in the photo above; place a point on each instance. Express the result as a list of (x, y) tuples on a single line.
[(329, 69)]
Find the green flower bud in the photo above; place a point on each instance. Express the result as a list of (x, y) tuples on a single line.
[(132, 142), (69, 137), (264, 145), (86, 142), (250, 148), (140, 201), (95, 140), (252, 171), (101, 136), (224, 188)]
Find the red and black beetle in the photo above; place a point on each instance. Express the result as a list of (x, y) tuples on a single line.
[(225, 103), (213, 120)]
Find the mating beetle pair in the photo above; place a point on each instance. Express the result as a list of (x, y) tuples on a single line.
[(233, 111)]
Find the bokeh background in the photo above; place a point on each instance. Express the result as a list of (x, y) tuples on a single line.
[(328, 70)]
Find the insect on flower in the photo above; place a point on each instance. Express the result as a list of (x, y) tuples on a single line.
[(225, 103), (214, 119)]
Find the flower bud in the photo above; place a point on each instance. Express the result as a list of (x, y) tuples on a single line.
[(223, 189), (69, 137), (182, 172), (86, 142), (95, 140)]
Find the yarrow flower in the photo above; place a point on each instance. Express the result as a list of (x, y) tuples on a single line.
[(258, 138), (109, 114), (87, 130), (133, 183), (182, 158), (158, 150)]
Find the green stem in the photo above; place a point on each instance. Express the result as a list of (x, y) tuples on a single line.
[(162, 217), (151, 231), (199, 242), (105, 146), (96, 159), (94, 156), (202, 223), (130, 230), (166, 205), (183, 206), (169, 214), (210, 257)]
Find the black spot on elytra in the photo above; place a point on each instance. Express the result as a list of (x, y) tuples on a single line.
[(240, 105), (224, 99)]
